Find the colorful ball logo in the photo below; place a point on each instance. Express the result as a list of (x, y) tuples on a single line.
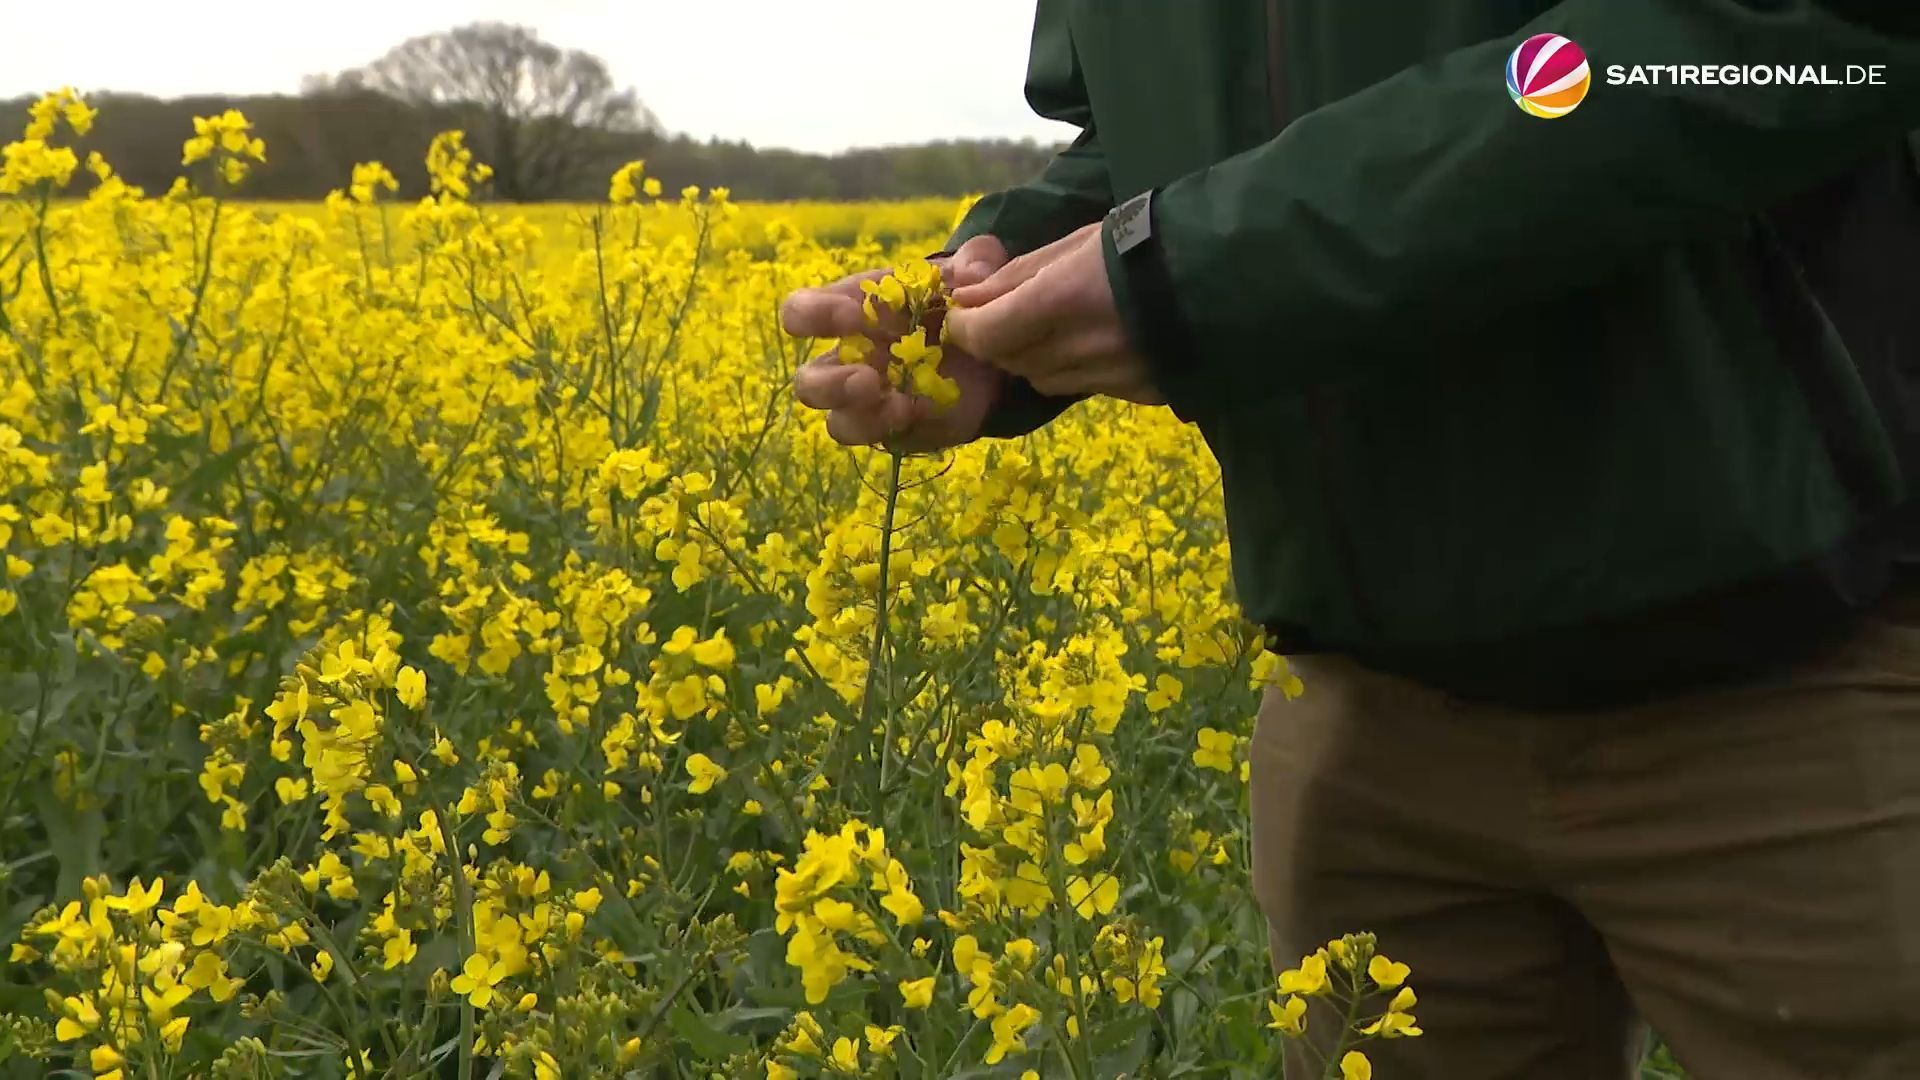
[(1548, 77)]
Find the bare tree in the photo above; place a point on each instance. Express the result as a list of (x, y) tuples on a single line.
[(539, 114)]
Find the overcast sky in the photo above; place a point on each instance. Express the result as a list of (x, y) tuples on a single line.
[(809, 74)]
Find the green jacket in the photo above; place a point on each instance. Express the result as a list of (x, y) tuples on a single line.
[(1551, 411)]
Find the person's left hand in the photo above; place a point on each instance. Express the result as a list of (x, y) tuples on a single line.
[(1049, 317)]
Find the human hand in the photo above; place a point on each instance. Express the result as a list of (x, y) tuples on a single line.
[(862, 408), (1049, 317)]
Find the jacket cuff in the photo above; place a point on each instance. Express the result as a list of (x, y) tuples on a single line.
[(1148, 304)]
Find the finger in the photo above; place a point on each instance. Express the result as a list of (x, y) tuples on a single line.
[(1016, 323), (901, 411), (1062, 383), (826, 383), (1004, 280), (854, 429), (827, 310), (1127, 381), (918, 436), (975, 261), (1096, 374), (865, 388), (871, 423), (1089, 360), (820, 313), (817, 384), (1071, 346), (891, 324), (1019, 271)]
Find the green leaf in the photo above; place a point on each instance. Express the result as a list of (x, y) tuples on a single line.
[(74, 836), (707, 1041), (742, 1015), (1123, 1046), (1186, 1006)]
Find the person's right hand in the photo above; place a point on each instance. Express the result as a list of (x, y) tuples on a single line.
[(862, 409)]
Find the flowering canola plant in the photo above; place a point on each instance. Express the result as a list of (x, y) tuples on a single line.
[(433, 644)]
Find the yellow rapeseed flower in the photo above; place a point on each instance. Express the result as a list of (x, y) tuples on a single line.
[(705, 773), (917, 993)]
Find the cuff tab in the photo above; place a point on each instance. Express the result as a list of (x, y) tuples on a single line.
[(1133, 222), (1149, 305)]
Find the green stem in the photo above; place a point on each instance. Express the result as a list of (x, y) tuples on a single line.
[(1331, 1070), (614, 357), (183, 336), (1066, 1051), (981, 651), (954, 1058), (1069, 931), (666, 1003), (876, 658), (356, 988), (333, 1003), (463, 916), (33, 744), (834, 703), (40, 256)]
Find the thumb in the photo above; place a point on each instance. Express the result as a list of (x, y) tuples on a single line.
[(976, 260)]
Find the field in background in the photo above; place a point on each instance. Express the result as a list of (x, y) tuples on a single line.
[(906, 226), (433, 643), (433, 638)]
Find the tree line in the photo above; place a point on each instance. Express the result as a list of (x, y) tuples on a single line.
[(551, 122)]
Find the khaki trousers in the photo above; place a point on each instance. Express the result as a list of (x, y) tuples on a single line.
[(1740, 868)]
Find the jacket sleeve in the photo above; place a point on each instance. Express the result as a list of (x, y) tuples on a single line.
[(1072, 191), (1428, 203)]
